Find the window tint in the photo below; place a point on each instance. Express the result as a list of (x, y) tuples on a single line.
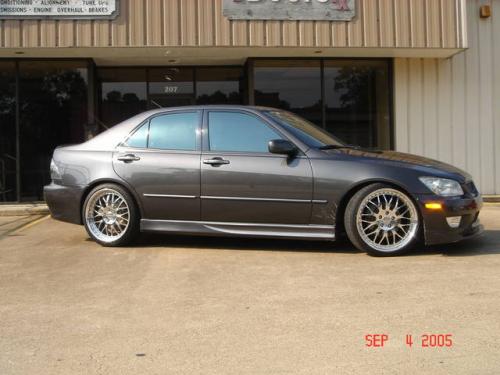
[(239, 132), (307, 132), (176, 131), (139, 138)]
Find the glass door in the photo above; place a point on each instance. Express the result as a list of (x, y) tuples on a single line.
[(171, 87), (8, 149)]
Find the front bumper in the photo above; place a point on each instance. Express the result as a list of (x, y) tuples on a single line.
[(436, 228), (64, 202)]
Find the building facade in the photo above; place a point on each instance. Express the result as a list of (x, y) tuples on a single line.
[(411, 75)]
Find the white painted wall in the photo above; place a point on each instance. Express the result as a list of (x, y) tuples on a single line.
[(449, 109)]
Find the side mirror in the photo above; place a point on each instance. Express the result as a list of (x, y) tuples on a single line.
[(282, 147)]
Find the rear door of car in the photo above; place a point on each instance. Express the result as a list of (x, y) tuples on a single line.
[(241, 181), (161, 161)]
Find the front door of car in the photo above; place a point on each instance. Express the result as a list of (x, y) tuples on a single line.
[(161, 162), (241, 181)]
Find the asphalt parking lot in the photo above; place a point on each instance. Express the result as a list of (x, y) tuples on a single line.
[(172, 305)]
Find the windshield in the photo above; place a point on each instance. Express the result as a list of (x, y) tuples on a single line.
[(307, 132)]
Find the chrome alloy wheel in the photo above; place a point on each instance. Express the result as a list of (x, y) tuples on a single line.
[(387, 220), (107, 215)]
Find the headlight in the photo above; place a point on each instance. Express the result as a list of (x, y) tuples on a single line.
[(54, 171), (442, 186)]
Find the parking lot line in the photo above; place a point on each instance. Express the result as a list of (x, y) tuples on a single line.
[(24, 226)]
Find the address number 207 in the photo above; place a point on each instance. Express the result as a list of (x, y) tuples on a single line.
[(170, 89)]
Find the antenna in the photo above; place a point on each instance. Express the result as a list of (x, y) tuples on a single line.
[(156, 104)]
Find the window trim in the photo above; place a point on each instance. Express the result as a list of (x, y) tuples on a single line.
[(132, 132), (206, 133)]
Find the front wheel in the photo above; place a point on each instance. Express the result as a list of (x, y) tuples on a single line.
[(110, 215), (382, 220)]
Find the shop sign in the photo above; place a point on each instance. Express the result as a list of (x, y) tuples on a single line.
[(66, 9), (329, 10)]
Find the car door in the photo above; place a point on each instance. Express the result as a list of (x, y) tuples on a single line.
[(242, 182), (161, 162)]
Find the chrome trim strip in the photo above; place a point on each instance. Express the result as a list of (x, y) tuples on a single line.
[(170, 196), (320, 201), (316, 201), (262, 199)]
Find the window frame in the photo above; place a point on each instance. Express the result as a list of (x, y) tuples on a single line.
[(206, 133), (148, 122)]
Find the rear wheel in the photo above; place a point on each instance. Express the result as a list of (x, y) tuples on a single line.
[(382, 220), (110, 216)]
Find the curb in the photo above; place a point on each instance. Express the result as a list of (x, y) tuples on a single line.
[(491, 198), (24, 209)]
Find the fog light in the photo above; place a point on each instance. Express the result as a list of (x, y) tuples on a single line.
[(454, 221)]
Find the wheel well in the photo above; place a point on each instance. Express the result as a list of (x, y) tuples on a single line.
[(339, 217), (89, 188)]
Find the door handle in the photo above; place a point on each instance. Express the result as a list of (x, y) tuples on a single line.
[(127, 158), (216, 161)]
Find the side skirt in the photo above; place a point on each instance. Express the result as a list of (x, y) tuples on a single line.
[(320, 232)]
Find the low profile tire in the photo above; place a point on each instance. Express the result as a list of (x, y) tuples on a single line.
[(382, 220), (110, 215)]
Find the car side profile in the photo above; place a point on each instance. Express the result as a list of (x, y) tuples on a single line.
[(255, 172)]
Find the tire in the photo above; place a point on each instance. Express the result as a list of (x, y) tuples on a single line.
[(110, 215), (382, 220)]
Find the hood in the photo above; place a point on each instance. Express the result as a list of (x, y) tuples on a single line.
[(420, 163)]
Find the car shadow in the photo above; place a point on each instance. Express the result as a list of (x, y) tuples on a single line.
[(244, 244), (486, 244)]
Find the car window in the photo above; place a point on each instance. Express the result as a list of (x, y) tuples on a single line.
[(238, 132), (139, 138), (307, 132), (174, 131)]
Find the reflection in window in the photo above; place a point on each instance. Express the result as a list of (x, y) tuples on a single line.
[(290, 85), (53, 111), (238, 132), (355, 105), (357, 102), (219, 85), (176, 131), (7, 131), (123, 94)]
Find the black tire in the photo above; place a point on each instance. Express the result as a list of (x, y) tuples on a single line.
[(362, 241), (131, 230)]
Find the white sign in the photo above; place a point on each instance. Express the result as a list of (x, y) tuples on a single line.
[(90, 9), (329, 10)]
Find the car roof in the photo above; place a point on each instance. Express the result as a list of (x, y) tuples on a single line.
[(209, 106)]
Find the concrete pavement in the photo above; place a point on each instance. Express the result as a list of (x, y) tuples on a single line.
[(172, 305)]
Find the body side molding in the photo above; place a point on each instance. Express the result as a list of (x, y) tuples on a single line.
[(324, 232)]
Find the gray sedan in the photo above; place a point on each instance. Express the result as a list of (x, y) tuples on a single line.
[(255, 172)]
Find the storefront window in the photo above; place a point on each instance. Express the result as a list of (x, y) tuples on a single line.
[(123, 94), (53, 111), (357, 102), (352, 101), (171, 87), (219, 85), (7, 131), (291, 85)]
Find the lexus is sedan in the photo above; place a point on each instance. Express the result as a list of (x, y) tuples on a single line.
[(255, 172)]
